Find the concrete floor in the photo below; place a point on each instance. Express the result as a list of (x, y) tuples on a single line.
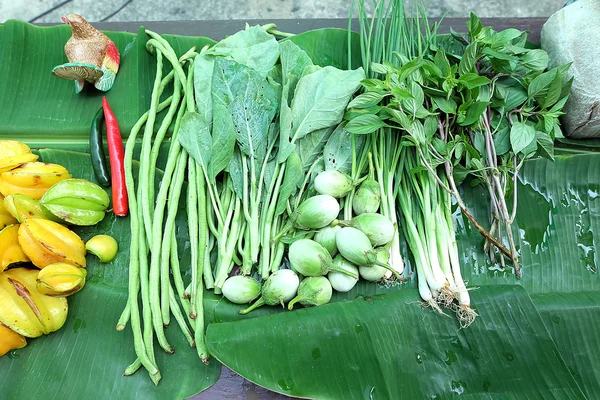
[(174, 10)]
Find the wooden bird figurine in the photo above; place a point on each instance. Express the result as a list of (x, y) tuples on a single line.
[(92, 56)]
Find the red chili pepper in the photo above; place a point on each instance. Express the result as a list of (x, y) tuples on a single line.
[(116, 155)]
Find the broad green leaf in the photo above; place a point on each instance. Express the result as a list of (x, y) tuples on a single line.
[(400, 117), (499, 55), (294, 175), (194, 136), (373, 84), (505, 36), (321, 98), (380, 357), (555, 232), (311, 146), (400, 93), (433, 92), (252, 47), (536, 60), (293, 62), (223, 139), (459, 37), (88, 342), (559, 105), (432, 69), (442, 63), (203, 74), (514, 97), (417, 131), (573, 320), (251, 102), (355, 112), (364, 124), (554, 91), (467, 62), (381, 69), (431, 126), (521, 136), (549, 122), (337, 152), (409, 68), (473, 80), (479, 144)]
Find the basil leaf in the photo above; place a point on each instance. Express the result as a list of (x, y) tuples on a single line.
[(521, 136), (364, 124), (545, 145), (502, 141), (467, 62), (472, 80), (445, 105), (366, 100), (536, 60), (470, 113)]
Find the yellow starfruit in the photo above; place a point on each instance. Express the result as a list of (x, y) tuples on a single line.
[(6, 218), (13, 154), (47, 242), (10, 340), (22, 207), (24, 309), (10, 250), (32, 179), (60, 279)]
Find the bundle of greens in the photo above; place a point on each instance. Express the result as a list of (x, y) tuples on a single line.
[(446, 109)]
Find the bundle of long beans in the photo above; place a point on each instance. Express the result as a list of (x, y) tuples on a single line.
[(153, 252)]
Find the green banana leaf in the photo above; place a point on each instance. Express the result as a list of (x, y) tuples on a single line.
[(535, 338), (329, 46), (40, 108), (389, 346)]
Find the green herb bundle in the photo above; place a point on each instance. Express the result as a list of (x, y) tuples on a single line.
[(461, 107)]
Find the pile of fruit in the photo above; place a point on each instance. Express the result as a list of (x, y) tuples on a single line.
[(41, 260)]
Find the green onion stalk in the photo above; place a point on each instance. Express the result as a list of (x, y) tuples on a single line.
[(413, 189)]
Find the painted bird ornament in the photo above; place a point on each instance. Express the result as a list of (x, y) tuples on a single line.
[(92, 56)]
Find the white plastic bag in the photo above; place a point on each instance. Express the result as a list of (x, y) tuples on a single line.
[(573, 35)]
